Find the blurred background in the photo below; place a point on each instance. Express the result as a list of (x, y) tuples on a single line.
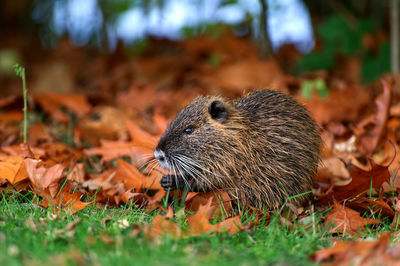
[(121, 48)]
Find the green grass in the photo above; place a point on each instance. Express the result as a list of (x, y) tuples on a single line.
[(35, 236)]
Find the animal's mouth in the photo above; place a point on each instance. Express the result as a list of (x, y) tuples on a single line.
[(162, 159)]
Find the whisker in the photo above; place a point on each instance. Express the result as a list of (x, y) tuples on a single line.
[(192, 170), (194, 163), (154, 166), (184, 171), (180, 172), (146, 164), (145, 157)]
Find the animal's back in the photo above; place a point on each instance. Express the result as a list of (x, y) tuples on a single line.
[(285, 143)]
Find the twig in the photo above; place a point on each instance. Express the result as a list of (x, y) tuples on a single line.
[(20, 71)]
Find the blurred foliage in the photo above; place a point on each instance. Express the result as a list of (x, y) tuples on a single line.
[(340, 25), (8, 57), (137, 48), (214, 30), (376, 65), (339, 37), (319, 85), (109, 11)]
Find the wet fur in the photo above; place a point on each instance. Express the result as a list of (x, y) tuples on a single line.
[(265, 150)]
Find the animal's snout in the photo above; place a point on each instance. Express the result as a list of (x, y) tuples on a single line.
[(159, 155), (161, 158)]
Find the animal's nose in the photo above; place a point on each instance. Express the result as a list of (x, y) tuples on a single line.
[(160, 155)]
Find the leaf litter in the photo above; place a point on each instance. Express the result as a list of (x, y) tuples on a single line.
[(94, 146)]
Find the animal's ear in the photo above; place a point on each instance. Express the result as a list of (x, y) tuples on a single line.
[(217, 110)]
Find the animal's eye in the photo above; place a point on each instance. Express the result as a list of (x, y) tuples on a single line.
[(189, 130)]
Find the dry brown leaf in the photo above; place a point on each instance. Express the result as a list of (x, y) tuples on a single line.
[(77, 173), (110, 150), (221, 203), (23, 150), (163, 225), (378, 206), (359, 253), (105, 122), (369, 139), (340, 106), (38, 134), (140, 137), (333, 171), (52, 103), (245, 74), (347, 221), (161, 123), (13, 169), (11, 117), (362, 182), (133, 179), (43, 178), (199, 222), (66, 199)]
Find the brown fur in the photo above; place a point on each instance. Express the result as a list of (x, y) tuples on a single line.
[(265, 148)]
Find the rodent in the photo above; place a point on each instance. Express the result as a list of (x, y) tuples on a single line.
[(262, 148)]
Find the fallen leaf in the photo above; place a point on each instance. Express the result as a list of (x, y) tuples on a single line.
[(362, 181), (52, 104), (13, 169), (77, 173), (110, 150), (106, 123), (66, 199), (369, 139), (163, 225), (199, 222), (358, 253), (133, 179), (23, 150), (347, 221), (333, 171), (38, 134), (161, 123), (43, 178), (378, 206), (221, 203), (140, 137), (342, 105)]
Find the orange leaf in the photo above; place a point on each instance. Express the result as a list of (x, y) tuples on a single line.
[(346, 220), (199, 222), (65, 199), (52, 103), (358, 253), (110, 150), (133, 179), (342, 104), (221, 203), (140, 137), (38, 134), (19, 150), (161, 123), (162, 225), (12, 116), (77, 173), (13, 169), (43, 178)]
